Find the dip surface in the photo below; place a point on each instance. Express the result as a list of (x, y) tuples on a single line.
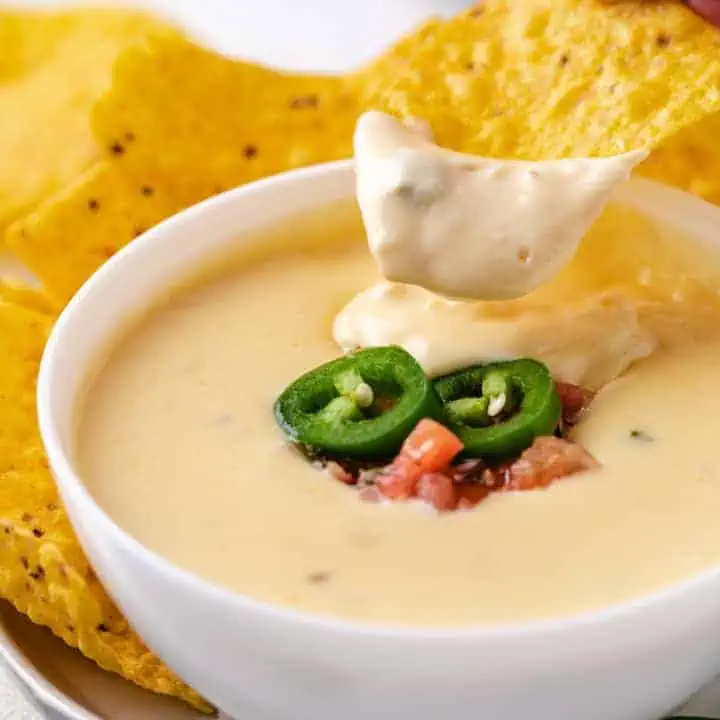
[(177, 442)]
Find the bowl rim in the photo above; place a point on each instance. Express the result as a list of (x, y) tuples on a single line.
[(69, 480)]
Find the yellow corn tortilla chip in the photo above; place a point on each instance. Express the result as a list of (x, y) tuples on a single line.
[(53, 67), (14, 293), (43, 571), (70, 235), (536, 79), (182, 123), (201, 123), (690, 160)]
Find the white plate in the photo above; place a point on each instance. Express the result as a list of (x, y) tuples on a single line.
[(67, 686)]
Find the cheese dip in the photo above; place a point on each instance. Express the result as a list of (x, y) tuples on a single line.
[(178, 444)]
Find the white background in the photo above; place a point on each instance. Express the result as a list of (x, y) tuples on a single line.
[(298, 34)]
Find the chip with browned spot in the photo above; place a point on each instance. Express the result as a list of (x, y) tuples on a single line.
[(202, 123), (43, 570), (75, 231), (53, 68)]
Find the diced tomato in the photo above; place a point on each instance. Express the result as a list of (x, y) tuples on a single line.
[(437, 490), (468, 471), (470, 495), (575, 400), (399, 480), (431, 446), (546, 460)]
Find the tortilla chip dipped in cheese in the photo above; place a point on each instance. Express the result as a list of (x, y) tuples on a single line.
[(471, 227)]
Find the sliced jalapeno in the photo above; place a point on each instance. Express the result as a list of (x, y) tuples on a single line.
[(498, 409), (362, 405)]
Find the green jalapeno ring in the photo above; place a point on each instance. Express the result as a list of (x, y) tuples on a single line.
[(362, 405), (527, 391)]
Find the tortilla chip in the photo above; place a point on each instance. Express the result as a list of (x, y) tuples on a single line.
[(43, 571), (22, 296), (536, 79), (74, 232), (690, 160), (53, 68), (201, 123)]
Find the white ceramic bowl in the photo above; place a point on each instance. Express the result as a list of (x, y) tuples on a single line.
[(633, 662)]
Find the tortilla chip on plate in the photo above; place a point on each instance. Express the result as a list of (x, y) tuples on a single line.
[(201, 123), (536, 79), (43, 571), (75, 231), (53, 68)]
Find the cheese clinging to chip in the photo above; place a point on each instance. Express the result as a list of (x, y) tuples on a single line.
[(472, 227)]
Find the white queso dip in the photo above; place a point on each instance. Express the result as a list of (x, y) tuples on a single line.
[(178, 443)]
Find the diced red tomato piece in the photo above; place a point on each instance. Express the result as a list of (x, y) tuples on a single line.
[(437, 490), (575, 400), (399, 480), (470, 495), (546, 460), (431, 446)]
